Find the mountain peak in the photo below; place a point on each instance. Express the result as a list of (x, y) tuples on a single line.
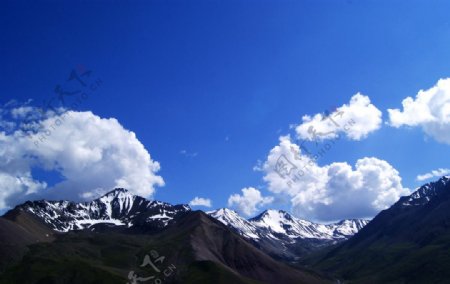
[(275, 211), (119, 189), (273, 214), (225, 215), (232, 219), (425, 193), (223, 211), (117, 192)]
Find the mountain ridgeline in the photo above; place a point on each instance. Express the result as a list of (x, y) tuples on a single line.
[(118, 208), (110, 240), (106, 239), (276, 232)]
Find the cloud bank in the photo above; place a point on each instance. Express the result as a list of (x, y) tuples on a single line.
[(435, 173)]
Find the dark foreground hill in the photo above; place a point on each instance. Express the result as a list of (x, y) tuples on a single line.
[(407, 243)]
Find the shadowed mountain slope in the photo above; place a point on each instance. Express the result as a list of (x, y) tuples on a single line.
[(407, 243)]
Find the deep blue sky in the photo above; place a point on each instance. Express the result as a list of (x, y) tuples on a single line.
[(184, 75)]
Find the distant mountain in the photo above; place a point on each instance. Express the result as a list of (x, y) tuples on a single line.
[(281, 223), (116, 208), (407, 243), (284, 236)]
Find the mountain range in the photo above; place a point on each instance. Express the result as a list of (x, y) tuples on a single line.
[(46, 241), (276, 232), (111, 240)]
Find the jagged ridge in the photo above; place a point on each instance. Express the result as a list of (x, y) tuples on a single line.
[(280, 225), (116, 208)]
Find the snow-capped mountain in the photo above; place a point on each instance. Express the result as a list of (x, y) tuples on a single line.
[(347, 228), (280, 225), (276, 232), (425, 193), (279, 222), (116, 208), (232, 219)]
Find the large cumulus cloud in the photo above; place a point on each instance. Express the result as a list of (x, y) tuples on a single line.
[(334, 191), (91, 155)]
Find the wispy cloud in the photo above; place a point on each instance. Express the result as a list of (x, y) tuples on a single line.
[(435, 173)]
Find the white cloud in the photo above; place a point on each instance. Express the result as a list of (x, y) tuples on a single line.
[(433, 174), (199, 201), (430, 110), (12, 186), (356, 120), (249, 202), (90, 153), (334, 191)]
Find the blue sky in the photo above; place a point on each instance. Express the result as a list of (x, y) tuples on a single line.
[(225, 79)]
